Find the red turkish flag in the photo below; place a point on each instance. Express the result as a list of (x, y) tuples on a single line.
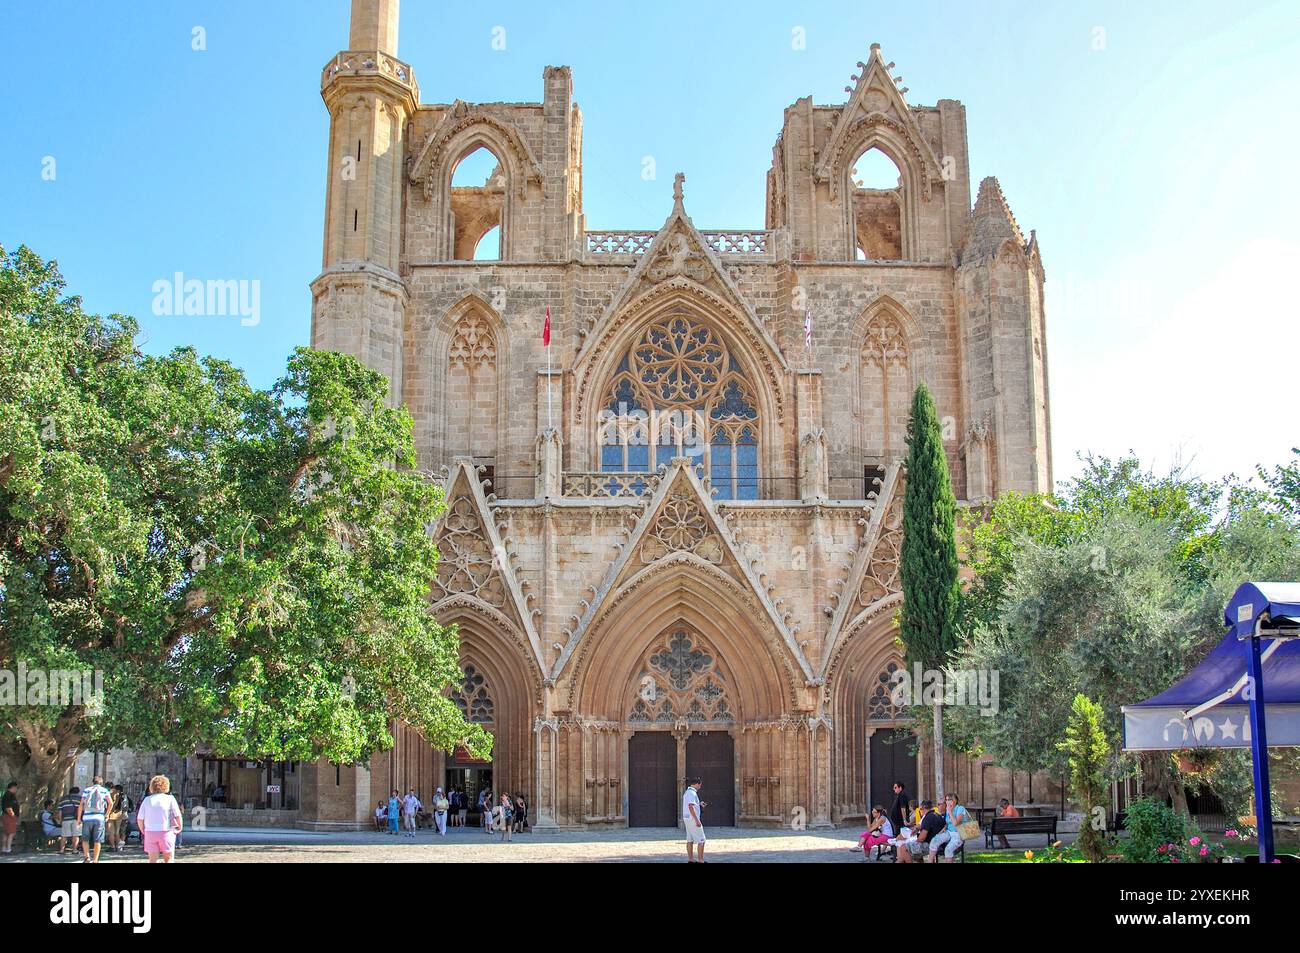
[(546, 329)]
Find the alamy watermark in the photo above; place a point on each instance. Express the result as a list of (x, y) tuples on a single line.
[(936, 686), (58, 687), (190, 297)]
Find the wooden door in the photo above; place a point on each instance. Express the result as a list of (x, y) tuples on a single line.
[(711, 756), (652, 780), (892, 759)]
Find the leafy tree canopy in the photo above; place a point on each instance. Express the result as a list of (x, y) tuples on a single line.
[(247, 569)]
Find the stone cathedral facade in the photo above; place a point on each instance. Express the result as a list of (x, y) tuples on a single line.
[(674, 550)]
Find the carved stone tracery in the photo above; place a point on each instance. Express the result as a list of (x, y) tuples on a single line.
[(882, 572), (682, 526), (466, 564), (679, 681)]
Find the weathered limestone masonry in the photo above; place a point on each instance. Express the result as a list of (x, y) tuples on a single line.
[(676, 551)]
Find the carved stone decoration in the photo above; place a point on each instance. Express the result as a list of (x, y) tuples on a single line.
[(682, 526), (882, 575), (473, 345), (466, 564), (677, 257), (884, 342), (880, 704), (814, 478), (678, 682), (549, 467), (976, 451), (474, 699)]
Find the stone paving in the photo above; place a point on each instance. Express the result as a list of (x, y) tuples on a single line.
[(647, 845)]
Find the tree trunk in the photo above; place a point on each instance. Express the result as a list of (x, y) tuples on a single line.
[(1160, 778), (42, 760), (939, 792)]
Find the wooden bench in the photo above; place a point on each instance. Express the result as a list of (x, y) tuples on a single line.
[(1004, 826)]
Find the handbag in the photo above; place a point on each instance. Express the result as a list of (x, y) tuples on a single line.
[(969, 830)]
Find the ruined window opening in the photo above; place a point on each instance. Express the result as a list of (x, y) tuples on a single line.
[(877, 207), (478, 198), (489, 246), (873, 480)]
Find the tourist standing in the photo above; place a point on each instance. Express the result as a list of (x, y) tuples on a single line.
[(898, 809), (113, 822), (394, 812), (505, 817), (693, 821), (69, 807), (521, 813), (92, 813), (9, 816), (410, 811), (440, 807), (160, 820)]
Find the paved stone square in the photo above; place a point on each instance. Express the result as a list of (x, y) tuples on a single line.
[(642, 845)]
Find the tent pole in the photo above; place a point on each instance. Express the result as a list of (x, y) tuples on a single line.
[(1259, 754)]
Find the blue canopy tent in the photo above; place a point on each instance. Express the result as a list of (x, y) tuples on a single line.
[(1246, 692)]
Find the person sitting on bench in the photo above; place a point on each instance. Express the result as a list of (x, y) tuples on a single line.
[(1006, 809), (932, 824), (879, 831), (950, 839)]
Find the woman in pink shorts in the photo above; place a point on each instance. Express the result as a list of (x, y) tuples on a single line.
[(879, 832), (159, 819)]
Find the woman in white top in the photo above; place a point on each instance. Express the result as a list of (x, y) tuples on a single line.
[(160, 820), (879, 831)]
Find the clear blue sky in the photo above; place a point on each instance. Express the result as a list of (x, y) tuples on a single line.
[(1156, 159)]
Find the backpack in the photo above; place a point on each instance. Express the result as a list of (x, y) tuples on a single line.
[(94, 800)]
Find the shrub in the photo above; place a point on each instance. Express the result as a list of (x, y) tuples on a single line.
[(1152, 827)]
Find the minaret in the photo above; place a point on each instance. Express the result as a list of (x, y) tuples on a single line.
[(359, 299)]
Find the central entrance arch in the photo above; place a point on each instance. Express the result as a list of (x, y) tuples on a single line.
[(711, 757), (652, 779)]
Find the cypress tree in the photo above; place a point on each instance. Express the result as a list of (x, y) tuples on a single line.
[(929, 561)]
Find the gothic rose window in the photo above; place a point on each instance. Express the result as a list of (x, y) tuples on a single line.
[(678, 392)]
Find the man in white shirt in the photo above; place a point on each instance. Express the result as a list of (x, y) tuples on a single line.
[(692, 821), (410, 807)]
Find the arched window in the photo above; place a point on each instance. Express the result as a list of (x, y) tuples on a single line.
[(474, 700), (880, 704), (478, 196), (471, 401), (877, 207), (886, 389), (679, 679), (678, 392)]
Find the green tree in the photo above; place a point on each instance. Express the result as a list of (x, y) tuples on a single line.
[(247, 569), (1087, 751), (931, 592)]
